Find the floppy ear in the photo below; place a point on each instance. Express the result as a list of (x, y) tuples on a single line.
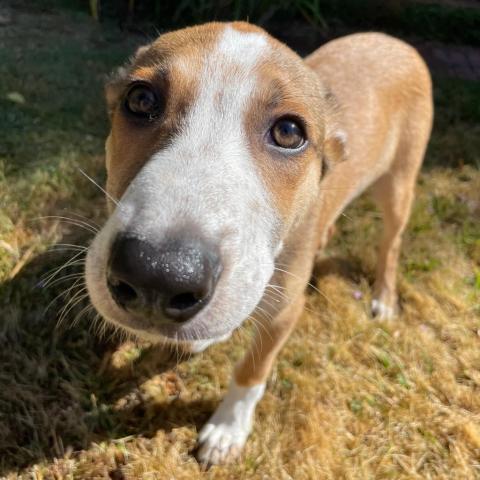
[(116, 81), (335, 144)]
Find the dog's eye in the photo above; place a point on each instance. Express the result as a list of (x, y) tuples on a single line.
[(142, 101), (287, 133)]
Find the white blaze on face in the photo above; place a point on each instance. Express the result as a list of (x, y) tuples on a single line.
[(207, 178)]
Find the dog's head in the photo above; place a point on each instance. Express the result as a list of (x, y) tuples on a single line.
[(218, 144)]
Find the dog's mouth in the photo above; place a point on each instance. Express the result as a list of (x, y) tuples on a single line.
[(156, 327)]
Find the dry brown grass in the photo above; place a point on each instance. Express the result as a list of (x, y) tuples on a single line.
[(349, 397)]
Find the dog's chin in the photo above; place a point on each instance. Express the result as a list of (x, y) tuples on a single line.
[(187, 346), (187, 337), (197, 346)]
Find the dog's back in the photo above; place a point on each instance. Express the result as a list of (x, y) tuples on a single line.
[(384, 93), (385, 90)]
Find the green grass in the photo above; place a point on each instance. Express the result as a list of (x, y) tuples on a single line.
[(381, 395)]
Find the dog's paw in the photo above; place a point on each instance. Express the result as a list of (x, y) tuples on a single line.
[(224, 435), (382, 311), (221, 442)]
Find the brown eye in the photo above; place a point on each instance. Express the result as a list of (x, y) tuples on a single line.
[(287, 133), (142, 101)]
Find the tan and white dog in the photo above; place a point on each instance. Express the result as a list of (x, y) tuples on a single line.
[(229, 160)]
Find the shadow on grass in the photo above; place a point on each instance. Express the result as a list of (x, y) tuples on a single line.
[(51, 96), (57, 390), (346, 267), (45, 377)]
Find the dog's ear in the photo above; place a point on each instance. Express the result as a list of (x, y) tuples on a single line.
[(335, 144), (115, 83)]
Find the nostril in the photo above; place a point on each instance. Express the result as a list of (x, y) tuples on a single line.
[(122, 292), (182, 306), (183, 301)]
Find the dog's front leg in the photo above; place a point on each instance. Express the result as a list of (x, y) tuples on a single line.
[(224, 435)]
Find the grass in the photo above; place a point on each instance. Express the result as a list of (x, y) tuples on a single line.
[(348, 398)]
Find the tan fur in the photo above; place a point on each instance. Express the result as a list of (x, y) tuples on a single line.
[(384, 89)]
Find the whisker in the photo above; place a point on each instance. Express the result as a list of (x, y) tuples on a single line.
[(62, 293), (78, 317), (279, 295), (65, 278), (46, 283), (347, 216), (116, 202), (74, 260), (284, 297), (258, 348), (95, 326), (273, 306), (308, 283), (264, 327), (56, 249), (85, 219), (69, 245), (72, 221), (268, 316), (176, 349), (78, 297)]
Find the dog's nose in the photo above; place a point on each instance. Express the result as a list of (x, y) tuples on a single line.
[(171, 281)]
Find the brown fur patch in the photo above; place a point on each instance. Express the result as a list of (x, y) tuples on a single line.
[(170, 65), (286, 88)]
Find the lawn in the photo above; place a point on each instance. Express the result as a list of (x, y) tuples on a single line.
[(349, 397)]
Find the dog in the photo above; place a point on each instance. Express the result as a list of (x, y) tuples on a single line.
[(228, 161)]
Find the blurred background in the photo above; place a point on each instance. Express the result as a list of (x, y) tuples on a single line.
[(383, 400)]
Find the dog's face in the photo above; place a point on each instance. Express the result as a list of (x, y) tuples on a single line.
[(216, 152)]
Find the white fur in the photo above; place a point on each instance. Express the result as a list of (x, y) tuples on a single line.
[(225, 434), (206, 178), (382, 311), (198, 346)]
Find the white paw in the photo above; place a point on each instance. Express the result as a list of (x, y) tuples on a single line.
[(382, 311), (221, 442), (224, 435)]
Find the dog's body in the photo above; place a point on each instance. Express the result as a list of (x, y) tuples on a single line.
[(231, 159)]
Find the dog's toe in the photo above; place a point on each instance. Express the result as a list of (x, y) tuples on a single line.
[(220, 443), (381, 311)]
